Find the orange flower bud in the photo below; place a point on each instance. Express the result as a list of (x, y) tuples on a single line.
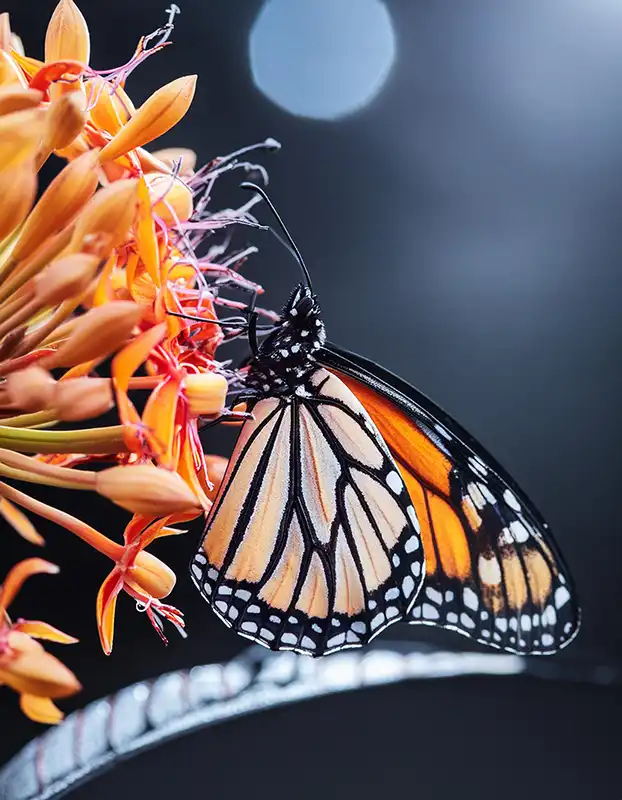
[(156, 116), (59, 204), (18, 187), (205, 393), (145, 489), (77, 399), (112, 109), (96, 334), (172, 199), (67, 36), (109, 214), (66, 277), (20, 136), (152, 575), (65, 120), (216, 468), (14, 98), (30, 389), (172, 155)]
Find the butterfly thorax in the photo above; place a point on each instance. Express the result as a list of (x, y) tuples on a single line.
[(285, 358)]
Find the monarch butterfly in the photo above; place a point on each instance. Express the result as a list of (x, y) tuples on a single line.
[(352, 502)]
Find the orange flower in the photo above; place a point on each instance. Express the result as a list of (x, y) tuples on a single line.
[(98, 269), (140, 574), (141, 579), (25, 666)]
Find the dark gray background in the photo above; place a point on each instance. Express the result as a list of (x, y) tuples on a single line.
[(463, 230)]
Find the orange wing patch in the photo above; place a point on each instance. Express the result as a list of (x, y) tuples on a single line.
[(450, 539), (407, 444)]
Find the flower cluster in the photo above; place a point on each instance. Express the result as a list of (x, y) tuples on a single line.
[(105, 265)]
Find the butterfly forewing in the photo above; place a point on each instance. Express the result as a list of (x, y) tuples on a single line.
[(493, 572), (313, 543)]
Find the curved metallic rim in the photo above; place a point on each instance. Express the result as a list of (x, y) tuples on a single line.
[(147, 714)]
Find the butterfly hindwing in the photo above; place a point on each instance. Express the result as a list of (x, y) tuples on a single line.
[(493, 572), (312, 543)]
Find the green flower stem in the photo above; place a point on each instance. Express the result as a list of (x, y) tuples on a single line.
[(35, 420), (49, 474), (95, 441)]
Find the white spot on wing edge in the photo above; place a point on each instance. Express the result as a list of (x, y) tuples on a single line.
[(377, 621), (511, 500), (466, 620), (394, 482), (562, 596), (519, 531), (412, 544), (430, 612), (471, 600), (249, 627), (434, 595), (412, 515), (336, 641)]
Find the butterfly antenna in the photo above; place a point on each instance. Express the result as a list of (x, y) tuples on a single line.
[(294, 249)]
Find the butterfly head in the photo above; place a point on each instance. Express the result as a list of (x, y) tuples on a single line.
[(285, 357)]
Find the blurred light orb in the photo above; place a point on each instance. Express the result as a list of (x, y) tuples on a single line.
[(322, 59)]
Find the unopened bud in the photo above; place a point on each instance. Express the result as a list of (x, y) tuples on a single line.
[(18, 187), (20, 136), (68, 276), (145, 489), (65, 120), (30, 389), (62, 200), (155, 117), (77, 399), (152, 575), (109, 214), (171, 197), (67, 36), (171, 156), (14, 98), (205, 393), (97, 334)]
